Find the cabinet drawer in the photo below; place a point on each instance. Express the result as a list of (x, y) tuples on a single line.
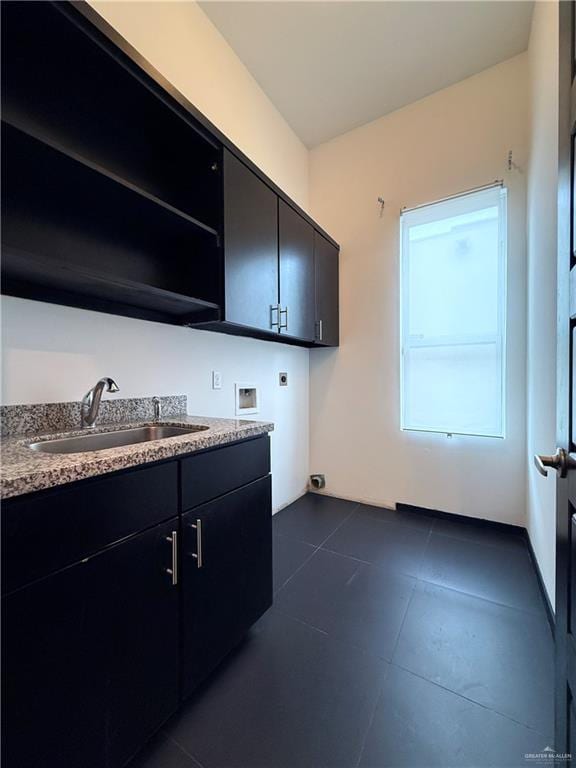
[(214, 473), (46, 531)]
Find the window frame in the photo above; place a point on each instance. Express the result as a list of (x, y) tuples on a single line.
[(499, 339)]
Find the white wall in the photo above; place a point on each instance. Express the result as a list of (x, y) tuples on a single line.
[(453, 140), (53, 353), (541, 214), (184, 45)]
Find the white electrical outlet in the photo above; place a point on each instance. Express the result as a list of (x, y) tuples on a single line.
[(216, 380)]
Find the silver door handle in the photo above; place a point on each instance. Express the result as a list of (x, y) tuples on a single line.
[(198, 554), (560, 461), (320, 333), (174, 570), (285, 324), (274, 323)]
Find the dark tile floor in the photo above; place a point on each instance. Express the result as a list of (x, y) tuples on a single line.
[(395, 640)]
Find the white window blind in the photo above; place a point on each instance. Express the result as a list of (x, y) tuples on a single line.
[(453, 307)]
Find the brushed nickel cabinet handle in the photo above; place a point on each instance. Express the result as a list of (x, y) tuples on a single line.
[(198, 554), (274, 323), (283, 326), (320, 332), (174, 570)]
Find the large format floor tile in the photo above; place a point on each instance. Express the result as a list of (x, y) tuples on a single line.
[(290, 698), (162, 752), (497, 656), (483, 570), (351, 601), (287, 557), (393, 546), (397, 640), (420, 725), (312, 518)]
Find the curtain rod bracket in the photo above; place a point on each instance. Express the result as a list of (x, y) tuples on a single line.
[(512, 166)]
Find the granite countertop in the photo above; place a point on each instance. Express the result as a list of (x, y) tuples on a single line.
[(24, 470)]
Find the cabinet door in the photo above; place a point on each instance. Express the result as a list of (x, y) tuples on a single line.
[(226, 576), (296, 249), (138, 616), (90, 658), (256, 551), (250, 247), (327, 312), (53, 674)]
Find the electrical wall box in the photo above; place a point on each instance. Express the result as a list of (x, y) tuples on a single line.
[(247, 399)]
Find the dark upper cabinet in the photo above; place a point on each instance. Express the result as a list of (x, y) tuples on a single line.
[(90, 657), (172, 223), (250, 248), (99, 210), (226, 575), (296, 255), (326, 279)]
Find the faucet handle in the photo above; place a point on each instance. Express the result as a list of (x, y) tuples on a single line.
[(111, 385), (157, 407)]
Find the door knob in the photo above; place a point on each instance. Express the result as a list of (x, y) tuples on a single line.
[(560, 461)]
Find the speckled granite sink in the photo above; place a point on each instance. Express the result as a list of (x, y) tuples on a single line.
[(24, 470)]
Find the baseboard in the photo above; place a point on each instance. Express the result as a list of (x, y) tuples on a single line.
[(478, 521), (549, 610)]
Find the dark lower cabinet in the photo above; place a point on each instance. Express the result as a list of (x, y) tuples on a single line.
[(296, 255), (257, 551), (90, 663), (139, 619), (226, 576), (54, 685), (99, 646), (326, 279)]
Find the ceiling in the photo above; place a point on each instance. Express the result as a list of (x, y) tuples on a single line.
[(332, 66)]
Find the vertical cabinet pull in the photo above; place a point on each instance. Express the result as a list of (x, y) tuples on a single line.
[(283, 325), (174, 570), (274, 320), (319, 330), (198, 554)]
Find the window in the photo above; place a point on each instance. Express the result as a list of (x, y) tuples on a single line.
[(453, 304)]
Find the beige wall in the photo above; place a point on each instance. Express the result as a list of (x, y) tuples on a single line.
[(184, 45), (453, 140), (541, 214), (52, 353)]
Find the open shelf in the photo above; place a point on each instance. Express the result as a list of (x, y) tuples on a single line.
[(38, 277), (69, 228), (61, 84), (33, 134)]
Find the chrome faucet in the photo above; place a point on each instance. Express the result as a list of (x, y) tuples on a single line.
[(91, 401)]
